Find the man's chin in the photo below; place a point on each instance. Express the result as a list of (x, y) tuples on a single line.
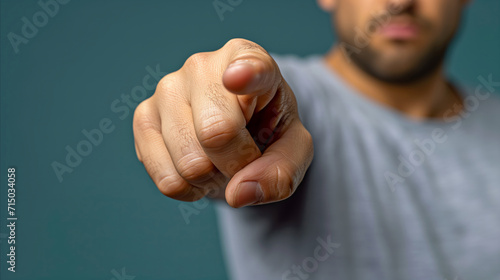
[(397, 66), (399, 78)]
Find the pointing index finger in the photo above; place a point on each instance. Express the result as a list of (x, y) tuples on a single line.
[(252, 75)]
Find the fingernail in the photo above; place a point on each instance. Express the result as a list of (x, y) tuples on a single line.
[(247, 71), (249, 193), (241, 63)]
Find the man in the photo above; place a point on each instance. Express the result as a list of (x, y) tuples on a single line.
[(405, 181)]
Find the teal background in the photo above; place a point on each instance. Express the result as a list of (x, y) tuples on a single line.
[(107, 214)]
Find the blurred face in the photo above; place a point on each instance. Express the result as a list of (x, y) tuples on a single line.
[(397, 41)]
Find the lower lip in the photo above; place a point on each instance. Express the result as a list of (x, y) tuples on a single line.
[(397, 32)]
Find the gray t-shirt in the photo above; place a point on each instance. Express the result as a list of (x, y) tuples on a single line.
[(386, 197)]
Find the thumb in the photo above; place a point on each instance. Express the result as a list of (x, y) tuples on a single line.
[(276, 174)]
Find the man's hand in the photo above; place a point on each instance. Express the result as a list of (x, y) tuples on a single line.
[(226, 120)]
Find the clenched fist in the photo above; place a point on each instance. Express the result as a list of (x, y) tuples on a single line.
[(224, 125)]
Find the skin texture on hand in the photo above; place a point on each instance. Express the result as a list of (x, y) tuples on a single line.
[(224, 125)]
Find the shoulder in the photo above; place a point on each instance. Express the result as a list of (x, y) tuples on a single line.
[(482, 100)]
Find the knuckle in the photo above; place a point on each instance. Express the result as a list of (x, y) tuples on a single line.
[(166, 84), (171, 90), (237, 42), (281, 185), (243, 44), (173, 186), (153, 168), (143, 118), (285, 182), (217, 132), (197, 60), (195, 169), (308, 140)]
